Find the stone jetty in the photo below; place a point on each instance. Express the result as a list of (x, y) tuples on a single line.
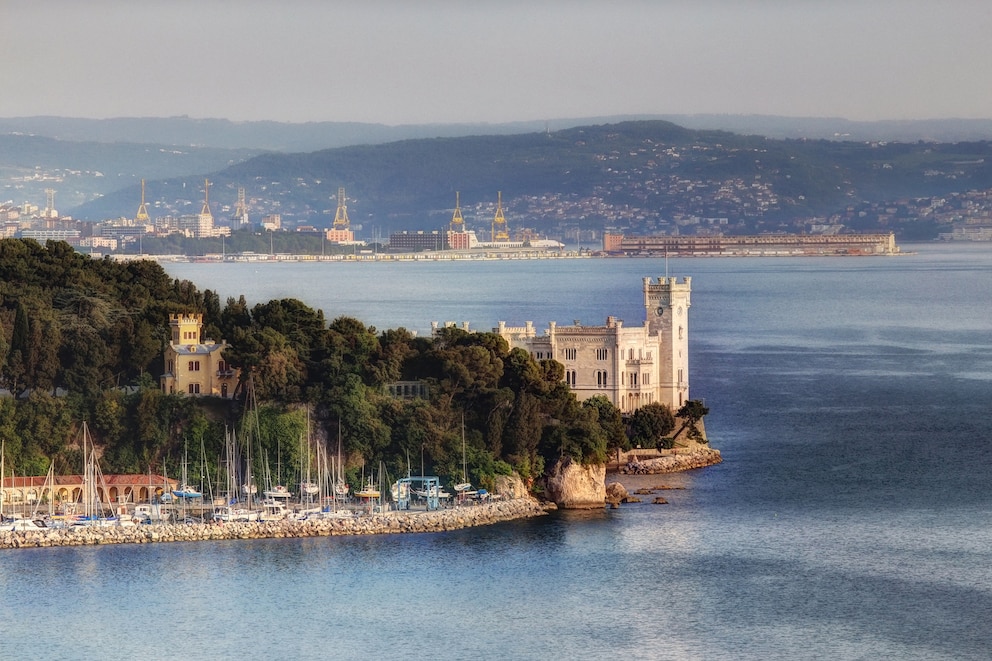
[(376, 524), (673, 463)]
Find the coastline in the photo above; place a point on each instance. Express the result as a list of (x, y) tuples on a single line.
[(387, 523)]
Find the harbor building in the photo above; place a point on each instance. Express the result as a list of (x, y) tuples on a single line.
[(418, 241), (194, 366), (768, 245), (58, 489)]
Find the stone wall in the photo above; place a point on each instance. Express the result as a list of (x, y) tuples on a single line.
[(673, 463)]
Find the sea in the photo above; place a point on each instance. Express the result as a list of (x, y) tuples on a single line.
[(851, 518)]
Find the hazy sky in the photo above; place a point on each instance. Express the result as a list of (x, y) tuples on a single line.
[(399, 62)]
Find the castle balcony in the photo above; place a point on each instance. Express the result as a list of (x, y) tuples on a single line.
[(226, 374)]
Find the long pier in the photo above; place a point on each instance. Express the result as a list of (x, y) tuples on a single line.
[(760, 245)]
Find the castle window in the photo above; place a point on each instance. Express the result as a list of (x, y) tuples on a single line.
[(194, 366), (570, 354), (194, 388), (601, 378), (630, 354), (602, 354), (646, 379), (570, 377), (681, 332)]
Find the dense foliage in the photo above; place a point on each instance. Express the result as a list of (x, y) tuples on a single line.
[(82, 340)]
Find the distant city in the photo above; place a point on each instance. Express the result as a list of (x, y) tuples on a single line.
[(638, 180)]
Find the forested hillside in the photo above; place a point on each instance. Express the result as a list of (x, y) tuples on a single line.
[(82, 340)]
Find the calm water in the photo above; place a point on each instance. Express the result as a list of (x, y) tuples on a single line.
[(852, 399)]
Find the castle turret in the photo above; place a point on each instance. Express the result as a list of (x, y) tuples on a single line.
[(666, 304)]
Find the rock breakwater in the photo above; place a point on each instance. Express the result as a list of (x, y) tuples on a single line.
[(673, 463), (390, 522)]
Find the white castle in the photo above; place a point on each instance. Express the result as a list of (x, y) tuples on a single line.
[(631, 366)]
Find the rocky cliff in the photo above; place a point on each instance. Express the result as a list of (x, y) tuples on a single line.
[(571, 485)]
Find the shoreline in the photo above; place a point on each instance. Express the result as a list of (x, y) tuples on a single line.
[(379, 524)]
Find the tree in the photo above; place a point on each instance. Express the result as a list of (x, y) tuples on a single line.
[(690, 414), (650, 423), (610, 420)]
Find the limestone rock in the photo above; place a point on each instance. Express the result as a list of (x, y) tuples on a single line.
[(616, 493), (574, 486), (509, 486)]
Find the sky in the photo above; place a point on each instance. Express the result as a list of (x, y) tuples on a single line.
[(443, 61)]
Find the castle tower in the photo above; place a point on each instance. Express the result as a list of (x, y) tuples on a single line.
[(666, 303), (142, 217), (457, 222), (500, 232), (185, 328), (341, 221)]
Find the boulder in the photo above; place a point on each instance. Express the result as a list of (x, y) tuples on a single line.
[(616, 493)]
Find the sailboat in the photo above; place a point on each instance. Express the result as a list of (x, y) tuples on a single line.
[(341, 487), (464, 486), (184, 490), (308, 488), (370, 490), (90, 494)]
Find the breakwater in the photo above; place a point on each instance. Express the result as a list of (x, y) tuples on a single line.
[(673, 463), (389, 522)]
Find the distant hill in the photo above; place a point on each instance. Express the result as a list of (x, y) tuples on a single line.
[(82, 171), (314, 136), (638, 171)]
